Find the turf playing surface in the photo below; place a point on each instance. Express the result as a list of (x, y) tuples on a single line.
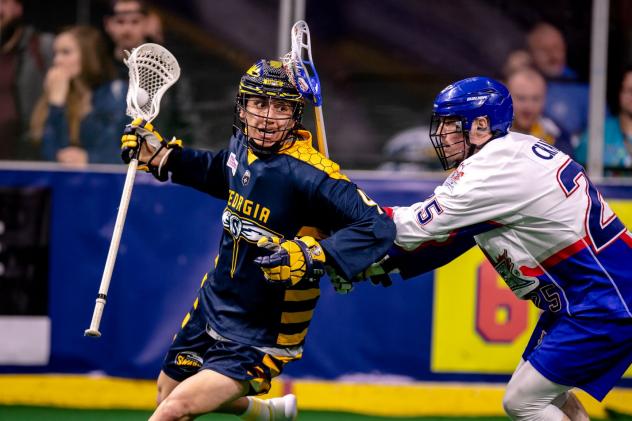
[(29, 413)]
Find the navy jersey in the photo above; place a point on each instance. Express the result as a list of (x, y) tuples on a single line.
[(277, 194)]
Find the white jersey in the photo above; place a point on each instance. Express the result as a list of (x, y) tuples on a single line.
[(540, 222)]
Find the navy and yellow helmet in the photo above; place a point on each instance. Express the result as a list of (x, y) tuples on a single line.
[(268, 78)]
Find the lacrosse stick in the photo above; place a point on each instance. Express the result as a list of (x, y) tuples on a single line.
[(300, 67), (152, 70)]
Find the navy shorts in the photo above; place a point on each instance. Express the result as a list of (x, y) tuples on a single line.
[(590, 354), (193, 350)]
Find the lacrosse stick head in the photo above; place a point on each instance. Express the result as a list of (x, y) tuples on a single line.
[(300, 65), (152, 70)]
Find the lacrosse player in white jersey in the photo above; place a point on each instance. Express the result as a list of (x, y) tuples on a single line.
[(546, 230)]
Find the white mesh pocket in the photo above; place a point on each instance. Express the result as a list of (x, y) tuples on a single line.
[(152, 70)]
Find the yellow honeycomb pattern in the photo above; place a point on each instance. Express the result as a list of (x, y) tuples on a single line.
[(303, 150)]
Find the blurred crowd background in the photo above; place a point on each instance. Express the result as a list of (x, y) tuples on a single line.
[(63, 83)]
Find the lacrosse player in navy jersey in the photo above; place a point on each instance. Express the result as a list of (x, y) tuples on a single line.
[(546, 230), (253, 310)]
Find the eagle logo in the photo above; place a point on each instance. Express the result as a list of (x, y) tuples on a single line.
[(244, 228), (505, 268)]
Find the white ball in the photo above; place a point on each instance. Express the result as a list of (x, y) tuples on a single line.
[(142, 97)]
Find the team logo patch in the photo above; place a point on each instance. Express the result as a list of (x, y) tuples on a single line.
[(188, 359), (505, 268), (454, 178), (246, 178), (232, 163)]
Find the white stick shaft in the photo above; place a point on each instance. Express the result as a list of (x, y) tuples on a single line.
[(320, 131), (113, 251)]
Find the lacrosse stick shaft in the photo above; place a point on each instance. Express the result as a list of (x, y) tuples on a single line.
[(152, 70), (321, 136), (113, 251)]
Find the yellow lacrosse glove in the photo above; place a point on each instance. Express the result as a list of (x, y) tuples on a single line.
[(291, 260), (142, 141), (135, 133)]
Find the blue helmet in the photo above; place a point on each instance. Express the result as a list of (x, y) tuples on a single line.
[(466, 100)]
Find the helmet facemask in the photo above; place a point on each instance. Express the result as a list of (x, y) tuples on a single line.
[(450, 140), (268, 107), (269, 124)]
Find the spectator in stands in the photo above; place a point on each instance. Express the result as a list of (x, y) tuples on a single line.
[(153, 27), (617, 148), (567, 98), (25, 55), (516, 60), (82, 109), (528, 90), (129, 25)]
